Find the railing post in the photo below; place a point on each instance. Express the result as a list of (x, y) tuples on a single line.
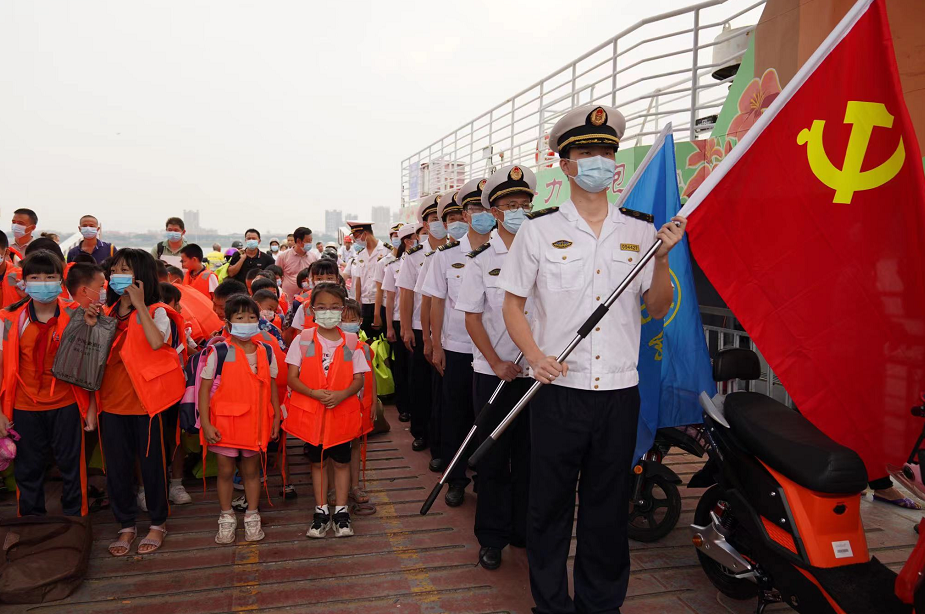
[(541, 129), (613, 79), (574, 72), (513, 157), (694, 71)]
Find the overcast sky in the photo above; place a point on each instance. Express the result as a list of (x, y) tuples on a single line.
[(261, 113)]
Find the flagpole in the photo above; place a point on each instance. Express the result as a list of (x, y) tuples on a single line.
[(598, 313)]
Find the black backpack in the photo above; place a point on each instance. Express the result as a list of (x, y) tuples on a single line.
[(44, 558)]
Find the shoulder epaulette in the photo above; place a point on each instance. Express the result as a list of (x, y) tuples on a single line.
[(478, 250), (535, 214), (428, 254), (447, 246), (645, 217), (414, 249)]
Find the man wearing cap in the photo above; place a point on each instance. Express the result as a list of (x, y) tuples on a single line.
[(299, 257), (420, 371), (369, 251), (406, 239), (379, 274), (583, 421), (469, 226), (504, 473)]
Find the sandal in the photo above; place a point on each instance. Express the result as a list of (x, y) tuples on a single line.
[(152, 542), (903, 502), (358, 495), (121, 544)]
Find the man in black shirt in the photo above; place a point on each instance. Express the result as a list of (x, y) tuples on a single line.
[(250, 258)]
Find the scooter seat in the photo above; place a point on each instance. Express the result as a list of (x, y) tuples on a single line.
[(789, 443)]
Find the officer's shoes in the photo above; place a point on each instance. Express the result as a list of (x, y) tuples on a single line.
[(490, 558), (419, 444), (455, 496), (405, 417), (437, 465)]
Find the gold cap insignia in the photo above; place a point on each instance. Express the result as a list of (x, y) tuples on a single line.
[(562, 244), (494, 272), (516, 173), (482, 184), (598, 116)]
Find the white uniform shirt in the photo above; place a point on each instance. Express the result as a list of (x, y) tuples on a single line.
[(364, 269), (443, 280), (389, 275), (407, 277), (569, 271), (481, 293)]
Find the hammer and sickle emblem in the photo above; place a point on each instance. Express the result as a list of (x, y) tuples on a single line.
[(863, 117)]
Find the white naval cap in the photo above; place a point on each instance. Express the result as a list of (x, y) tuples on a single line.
[(428, 204), (471, 192), (448, 204), (406, 231), (512, 179), (587, 125)]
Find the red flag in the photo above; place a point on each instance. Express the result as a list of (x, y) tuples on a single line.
[(813, 231)]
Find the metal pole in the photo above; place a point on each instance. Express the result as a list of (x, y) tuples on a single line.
[(465, 444), (694, 79), (583, 332)]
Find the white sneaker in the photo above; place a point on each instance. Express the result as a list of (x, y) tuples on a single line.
[(227, 525), (140, 500), (321, 524), (342, 526), (178, 495), (252, 529)]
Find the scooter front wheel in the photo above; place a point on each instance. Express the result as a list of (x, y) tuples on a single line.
[(722, 578), (658, 513)]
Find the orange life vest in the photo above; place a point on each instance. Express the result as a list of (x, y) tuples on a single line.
[(302, 302), (368, 401), (12, 329), (198, 307), (200, 282), (310, 420), (10, 293), (282, 375), (240, 408), (157, 375)]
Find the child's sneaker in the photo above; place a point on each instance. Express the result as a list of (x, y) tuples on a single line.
[(178, 495), (239, 503), (288, 492), (252, 529), (321, 524), (342, 526), (227, 525), (140, 500)]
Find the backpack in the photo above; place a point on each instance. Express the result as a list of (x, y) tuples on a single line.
[(189, 404), (44, 558)]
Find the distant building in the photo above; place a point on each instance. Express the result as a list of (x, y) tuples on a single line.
[(351, 216), (191, 220), (381, 217), (332, 221)]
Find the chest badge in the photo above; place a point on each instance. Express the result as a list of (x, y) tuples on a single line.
[(494, 272), (561, 244), (458, 265), (629, 247)]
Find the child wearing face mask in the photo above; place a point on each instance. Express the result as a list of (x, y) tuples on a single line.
[(239, 412), (326, 367), (48, 415), (10, 275), (350, 323), (299, 317), (143, 378), (86, 283)]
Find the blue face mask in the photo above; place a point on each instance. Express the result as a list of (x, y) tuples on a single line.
[(437, 229), (358, 247), (595, 174), (173, 236), (396, 242), (251, 244), (457, 230), (244, 330), (483, 222), (119, 282), (513, 219), (43, 291), (350, 327)]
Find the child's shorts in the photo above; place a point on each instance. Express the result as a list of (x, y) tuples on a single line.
[(233, 452), (340, 453)]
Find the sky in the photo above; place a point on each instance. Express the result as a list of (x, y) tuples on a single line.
[(261, 113)]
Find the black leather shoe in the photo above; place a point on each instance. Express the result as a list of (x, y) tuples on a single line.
[(419, 444), (455, 496), (404, 417), (437, 465), (490, 558)]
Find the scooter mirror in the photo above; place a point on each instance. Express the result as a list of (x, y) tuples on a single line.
[(715, 413)]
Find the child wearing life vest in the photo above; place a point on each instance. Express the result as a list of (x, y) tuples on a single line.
[(239, 413), (223, 292), (326, 369), (9, 274), (47, 413), (143, 377), (86, 283), (350, 323), (299, 318)]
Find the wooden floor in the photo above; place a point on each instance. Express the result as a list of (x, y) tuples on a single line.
[(399, 561)]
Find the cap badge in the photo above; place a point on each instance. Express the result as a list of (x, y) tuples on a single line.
[(517, 174), (482, 184), (598, 116), (494, 272), (562, 244)]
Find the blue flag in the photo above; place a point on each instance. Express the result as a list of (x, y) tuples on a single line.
[(674, 363)]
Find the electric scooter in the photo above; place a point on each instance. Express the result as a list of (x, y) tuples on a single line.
[(782, 520)]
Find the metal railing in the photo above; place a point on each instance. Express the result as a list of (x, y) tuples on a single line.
[(655, 71)]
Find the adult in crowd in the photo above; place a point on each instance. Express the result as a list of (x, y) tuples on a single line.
[(290, 241), (24, 223), (300, 257), (50, 235), (320, 247), (173, 240), (215, 258), (345, 252), (250, 258), (91, 243), (274, 248)]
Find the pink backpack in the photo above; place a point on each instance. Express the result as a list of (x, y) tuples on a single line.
[(8, 449)]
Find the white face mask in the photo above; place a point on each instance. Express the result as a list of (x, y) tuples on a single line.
[(328, 318)]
